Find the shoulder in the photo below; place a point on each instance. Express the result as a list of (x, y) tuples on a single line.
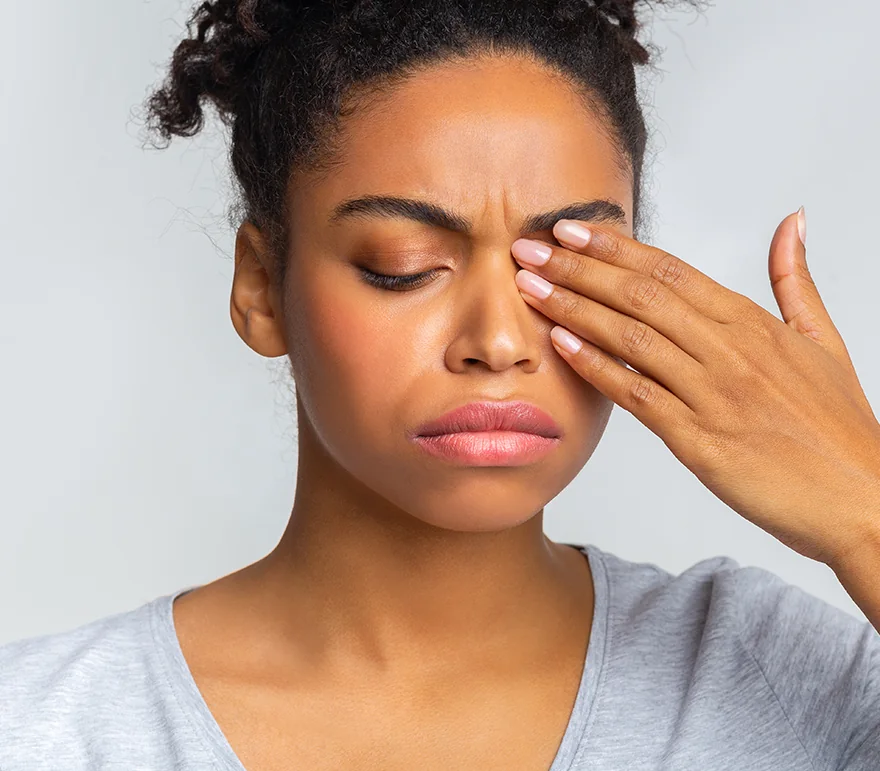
[(754, 602), (92, 650), (57, 689), (780, 624), (644, 594), (821, 664)]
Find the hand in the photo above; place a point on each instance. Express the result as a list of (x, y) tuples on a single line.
[(768, 414)]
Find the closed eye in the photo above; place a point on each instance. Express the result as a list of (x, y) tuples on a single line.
[(408, 282), (397, 283)]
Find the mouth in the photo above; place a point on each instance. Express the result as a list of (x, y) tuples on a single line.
[(518, 416), (488, 448)]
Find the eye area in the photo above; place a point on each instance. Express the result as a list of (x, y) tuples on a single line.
[(397, 283), (411, 281)]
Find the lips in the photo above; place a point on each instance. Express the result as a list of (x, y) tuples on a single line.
[(493, 416)]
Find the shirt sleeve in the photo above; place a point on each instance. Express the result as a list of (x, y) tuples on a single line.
[(822, 663)]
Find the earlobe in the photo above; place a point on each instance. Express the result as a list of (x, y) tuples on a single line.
[(253, 304), (263, 333)]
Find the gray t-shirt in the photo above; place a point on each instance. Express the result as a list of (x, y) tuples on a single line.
[(720, 668)]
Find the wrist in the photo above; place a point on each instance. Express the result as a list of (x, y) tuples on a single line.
[(862, 548)]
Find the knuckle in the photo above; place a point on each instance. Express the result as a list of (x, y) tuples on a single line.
[(738, 369), (577, 271), (612, 250), (642, 391), (644, 293), (637, 339), (669, 271), (740, 376), (598, 364), (744, 310), (803, 272), (754, 318), (565, 301), (712, 446)]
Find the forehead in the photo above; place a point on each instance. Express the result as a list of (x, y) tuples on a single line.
[(474, 133)]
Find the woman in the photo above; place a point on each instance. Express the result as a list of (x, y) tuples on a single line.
[(439, 201)]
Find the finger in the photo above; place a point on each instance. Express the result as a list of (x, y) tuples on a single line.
[(635, 342), (706, 295), (654, 406), (795, 291), (634, 294)]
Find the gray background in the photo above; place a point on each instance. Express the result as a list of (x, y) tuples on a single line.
[(145, 447)]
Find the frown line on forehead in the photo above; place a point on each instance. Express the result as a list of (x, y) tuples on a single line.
[(597, 210)]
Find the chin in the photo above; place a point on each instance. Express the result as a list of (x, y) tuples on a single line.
[(477, 505)]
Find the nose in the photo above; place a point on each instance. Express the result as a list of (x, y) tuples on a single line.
[(494, 328)]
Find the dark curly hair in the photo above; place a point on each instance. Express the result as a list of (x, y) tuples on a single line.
[(282, 74)]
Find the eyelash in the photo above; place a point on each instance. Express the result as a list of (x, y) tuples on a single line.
[(397, 283), (405, 283)]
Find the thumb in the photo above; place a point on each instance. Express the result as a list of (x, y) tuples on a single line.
[(794, 289), (798, 297)]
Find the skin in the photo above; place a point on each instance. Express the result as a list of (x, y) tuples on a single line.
[(427, 589)]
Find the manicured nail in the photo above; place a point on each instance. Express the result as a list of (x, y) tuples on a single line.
[(533, 285), (802, 225), (531, 252), (565, 339), (572, 232)]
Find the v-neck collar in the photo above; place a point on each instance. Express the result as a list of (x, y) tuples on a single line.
[(206, 727)]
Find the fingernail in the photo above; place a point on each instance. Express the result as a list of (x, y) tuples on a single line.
[(572, 232), (566, 340), (802, 225), (531, 252), (533, 285)]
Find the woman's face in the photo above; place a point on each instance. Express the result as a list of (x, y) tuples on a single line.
[(493, 142)]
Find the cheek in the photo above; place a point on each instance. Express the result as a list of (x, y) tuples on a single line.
[(354, 356), (356, 346)]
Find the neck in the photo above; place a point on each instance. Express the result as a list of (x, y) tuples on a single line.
[(365, 580)]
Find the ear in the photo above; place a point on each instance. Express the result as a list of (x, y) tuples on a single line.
[(254, 305)]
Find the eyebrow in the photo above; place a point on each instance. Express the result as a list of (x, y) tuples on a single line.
[(597, 210)]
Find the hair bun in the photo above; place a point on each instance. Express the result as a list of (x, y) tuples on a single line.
[(620, 15), (621, 12), (215, 63), (257, 19)]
